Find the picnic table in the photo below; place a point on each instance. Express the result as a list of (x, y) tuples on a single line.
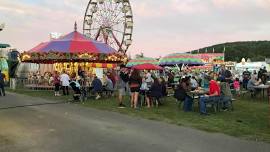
[(39, 87), (198, 92), (263, 87)]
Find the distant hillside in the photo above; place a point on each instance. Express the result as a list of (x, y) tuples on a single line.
[(235, 51)]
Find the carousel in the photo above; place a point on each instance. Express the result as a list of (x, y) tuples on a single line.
[(74, 52)]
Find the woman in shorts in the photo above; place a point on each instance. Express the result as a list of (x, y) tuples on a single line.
[(135, 82)]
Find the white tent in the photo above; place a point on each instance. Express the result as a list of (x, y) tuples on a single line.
[(240, 67)]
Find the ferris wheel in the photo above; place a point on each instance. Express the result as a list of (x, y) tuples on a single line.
[(111, 22)]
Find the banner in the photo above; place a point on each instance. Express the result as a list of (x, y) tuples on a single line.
[(212, 58)]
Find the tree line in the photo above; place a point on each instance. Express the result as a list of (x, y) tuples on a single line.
[(235, 51)]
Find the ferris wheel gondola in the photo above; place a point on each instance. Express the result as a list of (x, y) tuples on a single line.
[(111, 22)]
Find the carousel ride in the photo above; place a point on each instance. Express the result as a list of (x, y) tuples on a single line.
[(111, 22), (107, 35), (74, 51)]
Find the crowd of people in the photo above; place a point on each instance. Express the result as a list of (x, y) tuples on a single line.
[(122, 82), (220, 86), (138, 83), (250, 80), (149, 88)]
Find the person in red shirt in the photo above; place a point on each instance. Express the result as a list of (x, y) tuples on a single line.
[(214, 93)]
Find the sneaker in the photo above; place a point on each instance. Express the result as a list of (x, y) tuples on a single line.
[(121, 105), (98, 97), (225, 109)]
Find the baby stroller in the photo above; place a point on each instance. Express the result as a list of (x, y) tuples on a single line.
[(78, 93)]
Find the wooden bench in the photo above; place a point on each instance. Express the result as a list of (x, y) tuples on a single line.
[(39, 87)]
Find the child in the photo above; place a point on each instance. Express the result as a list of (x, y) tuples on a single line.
[(236, 86)]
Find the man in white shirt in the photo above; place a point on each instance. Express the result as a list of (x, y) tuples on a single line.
[(194, 83), (64, 78)]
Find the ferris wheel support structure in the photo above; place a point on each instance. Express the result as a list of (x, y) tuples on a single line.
[(111, 22)]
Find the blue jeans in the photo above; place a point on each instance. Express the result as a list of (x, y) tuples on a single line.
[(204, 100), (245, 82), (188, 104), (225, 101)]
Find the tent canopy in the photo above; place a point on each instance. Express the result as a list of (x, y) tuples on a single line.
[(73, 42), (4, 45), (142, 60), (180, 58), (73, 47), (147, 66)]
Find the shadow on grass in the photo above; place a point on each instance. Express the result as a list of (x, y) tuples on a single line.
[(32, 105)]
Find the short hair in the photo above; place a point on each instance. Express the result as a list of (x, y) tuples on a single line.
[(210, 76), (122, 66)]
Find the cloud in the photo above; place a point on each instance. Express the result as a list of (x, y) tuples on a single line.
[(228, 3), (150, 9), (263, 4), (188, 7)]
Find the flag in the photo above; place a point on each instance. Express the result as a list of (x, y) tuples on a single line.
[(224, 49), (213, 50), (206, 50)]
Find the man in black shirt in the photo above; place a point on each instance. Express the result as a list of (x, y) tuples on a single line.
[(2, 84), (226, 74), (246, 76)]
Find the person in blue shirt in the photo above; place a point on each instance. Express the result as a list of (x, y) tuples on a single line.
[(97, 87)]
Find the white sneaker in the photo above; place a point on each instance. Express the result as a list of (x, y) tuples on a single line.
[(98, 97)]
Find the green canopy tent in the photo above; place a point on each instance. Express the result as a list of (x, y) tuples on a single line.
[(4, 45), (179, 59), (142, 60)]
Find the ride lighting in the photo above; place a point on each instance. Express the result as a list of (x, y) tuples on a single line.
[(26, 57)]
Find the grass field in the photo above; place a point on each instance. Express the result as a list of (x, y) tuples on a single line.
[(250, 119)]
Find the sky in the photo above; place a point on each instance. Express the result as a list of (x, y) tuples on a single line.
[(160, 26)]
